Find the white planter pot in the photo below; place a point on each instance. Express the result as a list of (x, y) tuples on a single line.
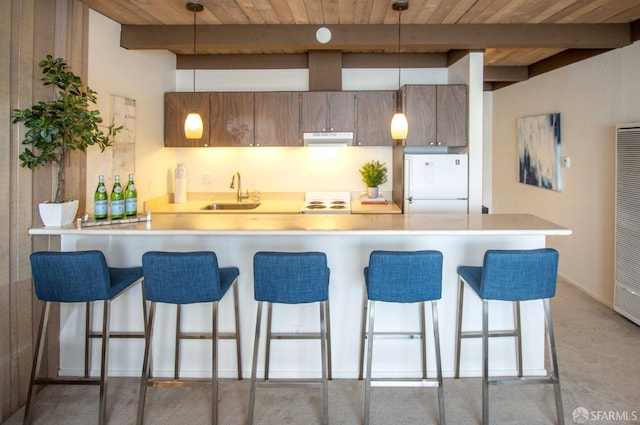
[(372, 192), (53, 214)]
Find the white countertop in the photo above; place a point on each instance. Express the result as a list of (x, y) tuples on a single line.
[(322, 224)]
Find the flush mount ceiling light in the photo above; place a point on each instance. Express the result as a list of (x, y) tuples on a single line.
[(399, 124), (323, 35), (193, 126)]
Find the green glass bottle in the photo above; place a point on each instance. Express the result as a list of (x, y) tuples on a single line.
[(100, 200), (131, 198), (117, 200)]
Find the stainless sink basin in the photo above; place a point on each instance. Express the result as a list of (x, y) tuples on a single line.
[(232, 206)]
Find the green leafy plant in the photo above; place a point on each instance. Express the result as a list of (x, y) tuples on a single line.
[(374, 173), (65, 124)]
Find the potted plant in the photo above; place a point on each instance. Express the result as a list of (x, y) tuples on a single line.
[(374, 173), (57, 127)]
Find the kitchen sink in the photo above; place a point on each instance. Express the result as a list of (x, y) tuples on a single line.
[(232, 206)]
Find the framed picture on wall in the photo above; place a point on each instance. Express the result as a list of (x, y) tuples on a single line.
[(540, 151)]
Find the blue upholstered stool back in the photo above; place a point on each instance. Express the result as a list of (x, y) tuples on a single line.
[(185, 277), (79, 276), (290, 277), (404, 277), (519, 275)]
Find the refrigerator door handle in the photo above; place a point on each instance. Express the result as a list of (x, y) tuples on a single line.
[(407, 179)]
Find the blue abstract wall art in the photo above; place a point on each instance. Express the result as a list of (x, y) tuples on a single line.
[(540, 151)]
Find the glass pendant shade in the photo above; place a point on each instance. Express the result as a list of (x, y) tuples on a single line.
[(193, 126), (399, 126)]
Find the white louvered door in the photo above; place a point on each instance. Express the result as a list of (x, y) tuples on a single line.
[(627, 237)]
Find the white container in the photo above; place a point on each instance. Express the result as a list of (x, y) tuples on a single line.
[(180, 192)]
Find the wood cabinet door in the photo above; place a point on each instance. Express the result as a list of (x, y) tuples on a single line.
[(177, 105), (419, 105), (341, 111), (277, 119), (327, 111), (452, 115), (313, 112), (231, 119), (375, 110)]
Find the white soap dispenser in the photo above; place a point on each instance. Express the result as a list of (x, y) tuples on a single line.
[(180, 192)]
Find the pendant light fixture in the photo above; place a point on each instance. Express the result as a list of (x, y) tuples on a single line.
[(193, 126), (399, 125)]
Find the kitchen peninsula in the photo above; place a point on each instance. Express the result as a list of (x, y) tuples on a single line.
[(347, 240)]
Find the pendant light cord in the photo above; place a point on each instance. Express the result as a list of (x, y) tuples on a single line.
[(193, 94), (399, 26)]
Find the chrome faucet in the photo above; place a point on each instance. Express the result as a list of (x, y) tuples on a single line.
[(240, 196)]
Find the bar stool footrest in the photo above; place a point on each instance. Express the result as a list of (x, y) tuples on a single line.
[(182, 382), (122, 334), (499, 334), (404, 382), (71, 380), (289, 383), (524, 380)]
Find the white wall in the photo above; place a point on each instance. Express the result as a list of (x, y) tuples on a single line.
[(140, 75), (592, 96)]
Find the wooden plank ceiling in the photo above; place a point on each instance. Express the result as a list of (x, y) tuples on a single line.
[(519, 38)]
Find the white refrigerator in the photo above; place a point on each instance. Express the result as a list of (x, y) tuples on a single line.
[(436, 183)]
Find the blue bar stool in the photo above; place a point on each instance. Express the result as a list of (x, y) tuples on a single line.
[(291, 278), (187, 278), (402, 277), (78, 277), (511, 275)]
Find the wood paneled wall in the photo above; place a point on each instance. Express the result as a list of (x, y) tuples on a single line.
[(29, 30)]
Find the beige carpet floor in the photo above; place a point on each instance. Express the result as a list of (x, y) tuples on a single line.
[(599, 358)]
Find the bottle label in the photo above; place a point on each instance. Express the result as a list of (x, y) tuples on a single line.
[(102, 189), (131, 206), (117, 209), (117, 189), (131, 186), (100, 209)]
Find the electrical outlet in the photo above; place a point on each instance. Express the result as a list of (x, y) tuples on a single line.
[(296, 329), (206, 178)]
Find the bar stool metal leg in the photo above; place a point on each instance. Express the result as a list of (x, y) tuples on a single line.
[(367, 388), (554, 361), (325, 360), (254, 366), (518, 331), (214, 364), (237, 324), (423, 336), (267, 354), (363, 333), (436, 337), (327, 338), (87, 336), (146, 366), (459, 328), (105, 363), (176, 357), (485, 362), (37, 358)]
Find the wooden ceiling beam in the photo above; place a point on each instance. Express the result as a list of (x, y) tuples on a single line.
[(505, 73), (365, 38), (564, 58)]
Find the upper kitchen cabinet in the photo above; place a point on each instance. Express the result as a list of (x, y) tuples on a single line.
[(437, 115), (374, 112), (177, 105), (232, 119), (327, 111), (277, 119)]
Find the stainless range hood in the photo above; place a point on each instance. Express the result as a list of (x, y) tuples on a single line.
[(328, 138)]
